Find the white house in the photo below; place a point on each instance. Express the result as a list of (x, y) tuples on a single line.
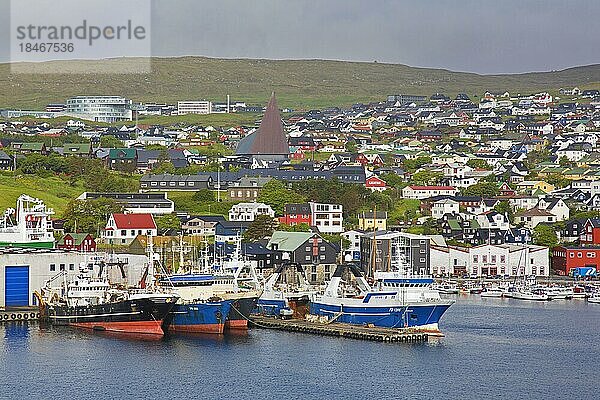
[(444, 206), (123, 228), (555, 206), (423, 192), (327, 218), (531, 218), (493, 220), (249, 211), (353, 249)]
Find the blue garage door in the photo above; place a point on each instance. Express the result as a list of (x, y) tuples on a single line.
[(16, 286)]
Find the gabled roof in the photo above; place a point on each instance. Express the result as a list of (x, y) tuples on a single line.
[(289, 241), (134, 221)]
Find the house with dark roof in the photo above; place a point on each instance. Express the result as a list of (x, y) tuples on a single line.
[(122, 159), (6, 161), (164, 182)]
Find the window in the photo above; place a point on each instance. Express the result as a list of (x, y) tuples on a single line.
[(502, 258), (579, 255), (62, 267), (52, 267), (475, 258), (307, 248), (421, 260), (71, 267), (591, 254), (307, 258)]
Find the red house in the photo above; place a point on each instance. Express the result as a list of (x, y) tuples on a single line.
[(375, 183), (505, 190), (295, 214), (590, 234), (564, 258), (77, 241)]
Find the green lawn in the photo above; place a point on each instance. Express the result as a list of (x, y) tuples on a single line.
[(55, 192)]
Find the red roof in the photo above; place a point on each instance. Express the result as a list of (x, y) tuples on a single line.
[(431, 187), (134, 221)]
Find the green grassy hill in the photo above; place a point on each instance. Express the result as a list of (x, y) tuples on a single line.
[(55, 192), (299, 84)]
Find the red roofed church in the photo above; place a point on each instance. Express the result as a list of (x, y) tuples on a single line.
[(123, 228)]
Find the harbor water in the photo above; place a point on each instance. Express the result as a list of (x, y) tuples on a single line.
[(493, 349)]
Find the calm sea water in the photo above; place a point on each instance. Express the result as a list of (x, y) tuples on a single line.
[(493, 349)]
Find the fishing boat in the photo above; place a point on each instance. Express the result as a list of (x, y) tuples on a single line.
[(244, 292), (492, 292), (27, 225), (282, 292), (198, 310), (211, 299), (90, 302), (396, 300)]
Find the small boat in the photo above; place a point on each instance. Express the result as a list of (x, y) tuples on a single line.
[(557, 293), (579, 292), (492, 292), (533, 294), (447, 289), (595, 298)]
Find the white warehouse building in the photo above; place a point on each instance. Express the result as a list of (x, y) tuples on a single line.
[(490, 260), (24, 271)]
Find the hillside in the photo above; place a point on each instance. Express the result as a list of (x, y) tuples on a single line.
[(55, 192), (298, 84)]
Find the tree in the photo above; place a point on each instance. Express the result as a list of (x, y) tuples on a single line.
[(303, 227), (564, 162), (482, 189), (394, 180), (416, 163), (262, 227), (505, 208), (426, 177), (111, 141), (275, 194), (351, 146), (166, 223), (89, 215), (204, 196), (544, 235), (479, 163)]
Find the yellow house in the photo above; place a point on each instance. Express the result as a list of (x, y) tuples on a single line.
[(367, 222), (532, 186)]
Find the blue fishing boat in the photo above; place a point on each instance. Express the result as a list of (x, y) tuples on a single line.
[(395, 300), (199, 317)]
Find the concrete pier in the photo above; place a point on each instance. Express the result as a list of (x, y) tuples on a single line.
[(408, 335), (19, 314)]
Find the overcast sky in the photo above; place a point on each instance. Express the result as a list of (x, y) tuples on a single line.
[(485, 36)]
